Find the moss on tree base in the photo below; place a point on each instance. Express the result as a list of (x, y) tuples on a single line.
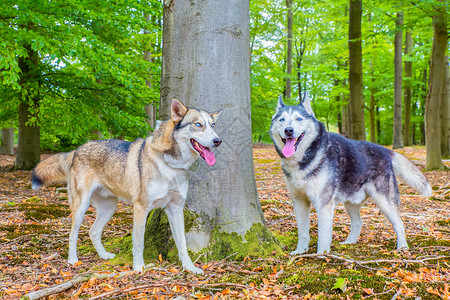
[(257, 242)]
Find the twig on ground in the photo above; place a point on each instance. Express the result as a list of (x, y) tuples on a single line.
[(154, 285), (58, 288), (396, 294), (365, 262)]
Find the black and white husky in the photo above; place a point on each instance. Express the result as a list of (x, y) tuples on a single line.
[(324, 169)]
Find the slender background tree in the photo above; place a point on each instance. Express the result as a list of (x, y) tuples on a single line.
[(357, 127)]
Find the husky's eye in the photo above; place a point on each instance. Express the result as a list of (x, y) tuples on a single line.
[(282, 120), (299, 119), (213, 124), (198, 124)]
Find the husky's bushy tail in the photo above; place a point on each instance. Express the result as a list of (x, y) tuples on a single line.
[(409, 173), (53, 168)]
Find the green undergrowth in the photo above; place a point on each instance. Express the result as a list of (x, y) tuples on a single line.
[(257, 242), (36, 210)]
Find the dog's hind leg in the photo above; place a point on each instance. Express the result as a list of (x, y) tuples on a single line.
[(354, 212), (105, 207), (390, 207), (176, 220), (302, 209), (80, 204)]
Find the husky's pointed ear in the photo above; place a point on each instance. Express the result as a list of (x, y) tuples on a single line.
[(306, 103), (280, 103), (215, 115), (177, 110)]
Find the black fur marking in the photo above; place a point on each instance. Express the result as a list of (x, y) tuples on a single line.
[(318, 143), (287, 173), (36, 181), (179, 126), (358, 162), (140, 158), (141, 150), (118, 145)]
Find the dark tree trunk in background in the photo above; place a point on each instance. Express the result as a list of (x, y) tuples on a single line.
[(445, 115), (372, 108), (28, 149), (378, 122), (435, 90), (408, 91), (422, 107), (358, 131), (398, 136), (150, 108), (206, 64), (288, 90), (7, 144)]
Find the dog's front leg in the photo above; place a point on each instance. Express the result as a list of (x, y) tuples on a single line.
[(302, 211), (176, 220), (139, 219), (325, 213)]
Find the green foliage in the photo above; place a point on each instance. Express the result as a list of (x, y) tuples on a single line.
[(92, 75), (91, 71), (320, 59)]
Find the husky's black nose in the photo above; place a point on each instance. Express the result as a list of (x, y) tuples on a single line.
[(217, 142), (289, 131)]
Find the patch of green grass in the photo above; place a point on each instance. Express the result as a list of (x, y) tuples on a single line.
[(444, 222), (36, 210), (265, 160), (15, 231)]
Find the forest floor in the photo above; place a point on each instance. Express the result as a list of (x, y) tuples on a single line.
[(34, 230)]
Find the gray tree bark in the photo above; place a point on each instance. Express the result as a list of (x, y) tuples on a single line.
[(408, 91), (398, 136), (7, 144), (206, 64), (358, 130), (435, 91)]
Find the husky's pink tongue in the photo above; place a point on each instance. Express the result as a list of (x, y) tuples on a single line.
[(289, 148), (209, 156)]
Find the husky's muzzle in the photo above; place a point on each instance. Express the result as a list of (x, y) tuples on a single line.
[(206, 152), (290, 142)]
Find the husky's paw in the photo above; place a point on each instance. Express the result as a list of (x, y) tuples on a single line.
[(107, 255), (194, 269), (138, 268), (347, 241), (72, 260), (403, 249), (298, 251)]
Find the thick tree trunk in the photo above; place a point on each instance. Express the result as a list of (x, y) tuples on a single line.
[(206, 65), (435, 91), (7, 144), (445, 114), (408, 92), (28, 149), (358, 131), (398, 136), (288, 90)]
